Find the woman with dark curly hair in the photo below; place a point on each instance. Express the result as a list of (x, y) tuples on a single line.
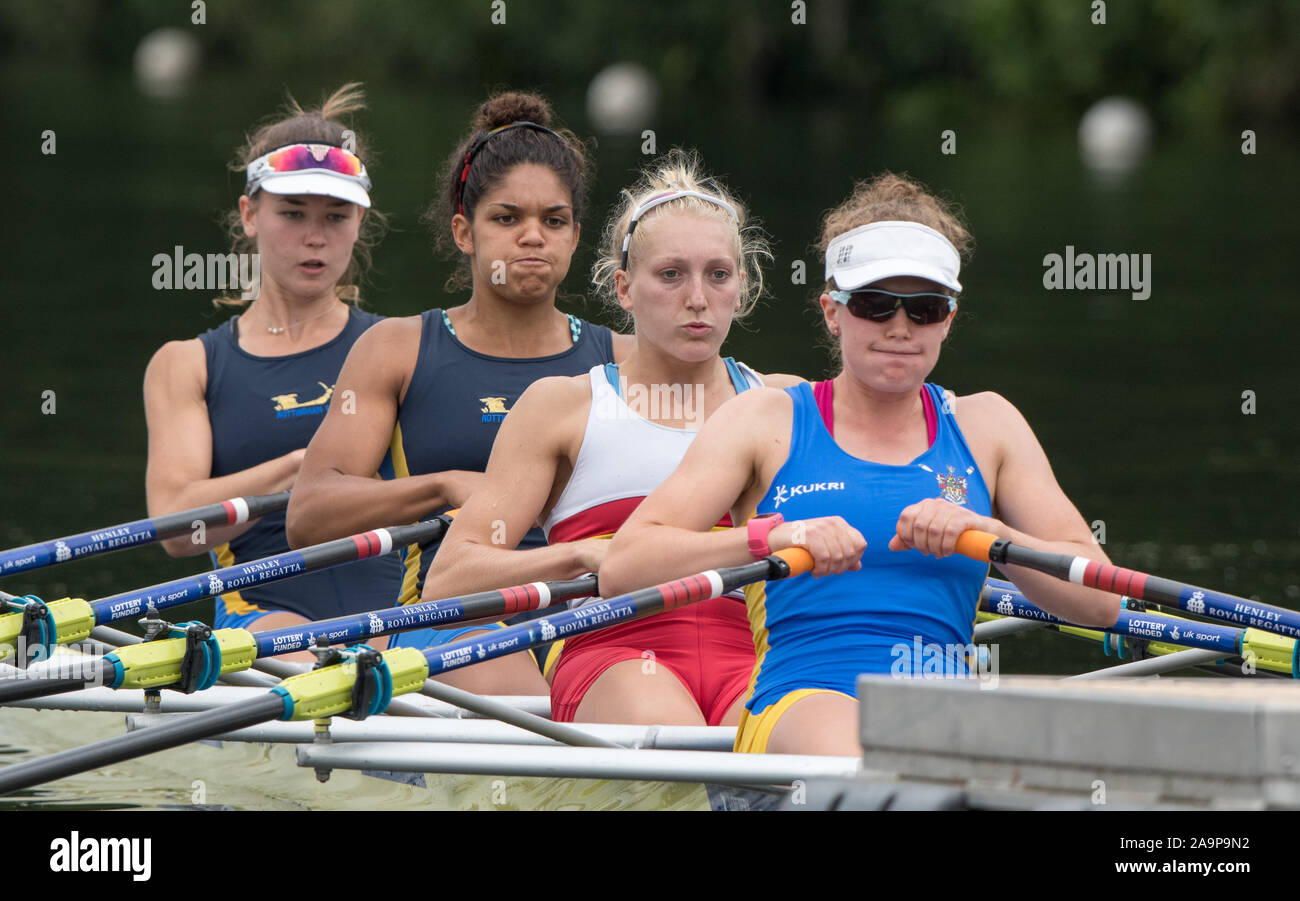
[(430, 391)]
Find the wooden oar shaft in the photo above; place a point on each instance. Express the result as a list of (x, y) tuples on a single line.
[(142, 531)]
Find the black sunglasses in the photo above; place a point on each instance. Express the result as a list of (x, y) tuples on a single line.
[(879, 306)]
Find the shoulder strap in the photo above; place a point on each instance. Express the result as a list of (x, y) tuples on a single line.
[(739, 380), (611, 375), (824, 396)]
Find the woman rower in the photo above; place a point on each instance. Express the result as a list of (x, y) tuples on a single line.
[(231, 412), (431, 390), (579, 454), (876, 472)]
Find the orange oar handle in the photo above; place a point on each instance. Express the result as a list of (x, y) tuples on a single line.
[(975, 544), (797, 558)]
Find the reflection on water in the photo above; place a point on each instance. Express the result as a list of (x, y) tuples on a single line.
[(246, 776)]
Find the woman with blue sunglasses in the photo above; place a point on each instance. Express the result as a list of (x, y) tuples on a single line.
[(876, 473)]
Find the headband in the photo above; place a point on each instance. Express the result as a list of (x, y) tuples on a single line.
[(478, 145), (665, 198)]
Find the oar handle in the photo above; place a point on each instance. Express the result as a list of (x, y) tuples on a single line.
[(976, 544), (797, 558)]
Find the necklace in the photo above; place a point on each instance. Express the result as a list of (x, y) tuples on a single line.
[(281, 329)]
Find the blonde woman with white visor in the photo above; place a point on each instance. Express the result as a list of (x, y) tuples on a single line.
[(876, 473)]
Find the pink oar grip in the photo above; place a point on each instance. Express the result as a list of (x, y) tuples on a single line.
[(975, 544)]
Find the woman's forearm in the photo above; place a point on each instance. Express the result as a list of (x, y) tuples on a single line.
[(331, 505), (649, 554), (270, 477), (464, 567)]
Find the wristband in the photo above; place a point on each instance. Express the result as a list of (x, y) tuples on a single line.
[(759, 527)]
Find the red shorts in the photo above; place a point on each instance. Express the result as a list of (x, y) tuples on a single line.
[(707, 646)]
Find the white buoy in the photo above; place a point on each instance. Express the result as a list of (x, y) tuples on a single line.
[(1114, 136), (621, 99), (165, 62)]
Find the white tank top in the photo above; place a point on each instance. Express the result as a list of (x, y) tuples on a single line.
[(623, 456)]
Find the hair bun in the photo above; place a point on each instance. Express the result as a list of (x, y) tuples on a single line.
[(512, 106)]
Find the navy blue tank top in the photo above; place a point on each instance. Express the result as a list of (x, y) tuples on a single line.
[(455, 403), (261, 408)]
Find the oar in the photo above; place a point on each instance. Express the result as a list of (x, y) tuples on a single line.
[(364, 683), (43, 625), (91, 673), (143, 531), (1269, 651), (161, 664), (989, 548), (194, 656)]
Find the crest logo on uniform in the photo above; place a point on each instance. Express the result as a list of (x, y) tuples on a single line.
[(287, 405), (952, 487), (493, 409)]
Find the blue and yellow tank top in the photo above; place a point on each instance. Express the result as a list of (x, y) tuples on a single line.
[(261, 408), (456, 401), (822, 633)]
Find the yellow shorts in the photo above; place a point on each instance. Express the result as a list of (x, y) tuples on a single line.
[(755, 729), (551, 658)]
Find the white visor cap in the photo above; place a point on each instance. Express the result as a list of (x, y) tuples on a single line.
[(322, 182), (888, 249)]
